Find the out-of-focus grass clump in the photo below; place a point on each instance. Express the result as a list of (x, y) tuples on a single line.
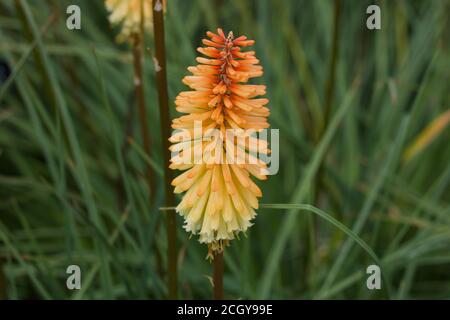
[(72, 172)]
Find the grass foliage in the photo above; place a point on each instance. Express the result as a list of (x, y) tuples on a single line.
[(369, 186)]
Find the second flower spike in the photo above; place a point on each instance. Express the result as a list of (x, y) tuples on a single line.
[(129, 14)]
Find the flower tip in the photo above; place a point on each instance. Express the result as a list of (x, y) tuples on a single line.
[(220, 32)]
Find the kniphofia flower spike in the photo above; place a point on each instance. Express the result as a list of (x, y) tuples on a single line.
[(221, 197)]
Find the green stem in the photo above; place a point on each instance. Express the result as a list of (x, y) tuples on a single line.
[(140, 98), (145, 132), (329, 94), (331, 83), (161, 83)]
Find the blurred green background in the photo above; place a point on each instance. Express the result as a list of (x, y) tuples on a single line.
[(369, 147)]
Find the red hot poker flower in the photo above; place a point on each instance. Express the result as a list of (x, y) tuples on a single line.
[(221, 197)]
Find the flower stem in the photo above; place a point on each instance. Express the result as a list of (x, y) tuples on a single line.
[(139, 92), (161, 83), (218, 276)]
